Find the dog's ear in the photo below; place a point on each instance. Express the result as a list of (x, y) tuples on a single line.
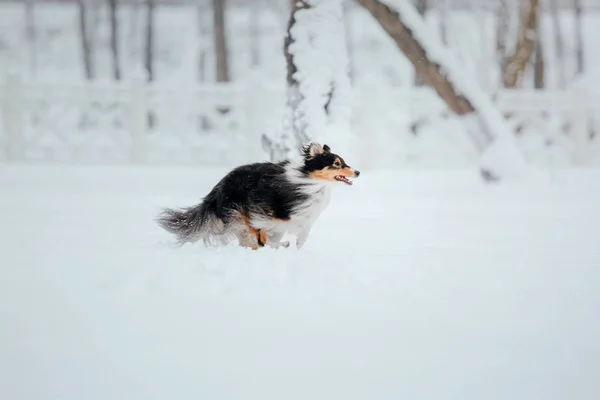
[(312, 150), (326, 149)]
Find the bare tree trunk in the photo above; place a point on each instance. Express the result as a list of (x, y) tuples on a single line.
[(114, 39), (149, 53), (502, 29), (558, 44), (525, 46), (578, 36), (31, 34), (85, 40), (539, 70), (429, 72), (203, 32), (422, 9), (220, 41)]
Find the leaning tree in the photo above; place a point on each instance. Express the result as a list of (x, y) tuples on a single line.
[(437, 67)]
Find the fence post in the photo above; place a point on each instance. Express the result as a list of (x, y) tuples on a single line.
[(138, 114), (13, 117), (580, 127)]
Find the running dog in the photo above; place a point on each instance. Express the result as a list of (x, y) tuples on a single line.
[(259, 203)]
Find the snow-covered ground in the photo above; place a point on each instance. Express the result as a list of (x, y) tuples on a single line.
[(420, 285)]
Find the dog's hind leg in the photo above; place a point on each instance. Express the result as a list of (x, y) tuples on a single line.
[(251, 237)]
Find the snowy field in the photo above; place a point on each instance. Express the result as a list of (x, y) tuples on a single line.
[(421, 285)]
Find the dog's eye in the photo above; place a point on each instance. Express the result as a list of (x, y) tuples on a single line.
[(337, 164)]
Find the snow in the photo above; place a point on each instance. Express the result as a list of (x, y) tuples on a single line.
[(421, 285)]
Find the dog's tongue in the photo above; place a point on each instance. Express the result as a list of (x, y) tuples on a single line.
[(345, 180)]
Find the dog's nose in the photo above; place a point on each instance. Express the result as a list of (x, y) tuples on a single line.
[(356, 173)]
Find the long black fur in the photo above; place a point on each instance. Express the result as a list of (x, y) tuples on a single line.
[(258, 188)]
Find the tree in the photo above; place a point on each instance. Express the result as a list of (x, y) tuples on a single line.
[(558, 44), (422, 9), (149, 51), (539, 71), (439, 69), (318, 83), (84, 35), (578, 36), (220, 41), (515, 68), (114, 38), (426, 70)]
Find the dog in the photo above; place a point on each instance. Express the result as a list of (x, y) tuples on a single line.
[(257, 204)]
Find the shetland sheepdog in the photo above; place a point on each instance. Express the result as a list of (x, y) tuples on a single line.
[(257, 204)]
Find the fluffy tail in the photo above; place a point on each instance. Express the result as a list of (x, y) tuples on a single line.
[(191, 224)]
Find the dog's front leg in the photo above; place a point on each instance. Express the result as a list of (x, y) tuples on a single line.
[(275, 241), (302, 237)]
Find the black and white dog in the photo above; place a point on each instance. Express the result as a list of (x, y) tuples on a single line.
[(259, 203)]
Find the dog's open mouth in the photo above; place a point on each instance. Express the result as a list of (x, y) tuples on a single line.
[(343, 179)]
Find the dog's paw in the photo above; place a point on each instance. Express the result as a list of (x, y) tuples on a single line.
[(277, 245)]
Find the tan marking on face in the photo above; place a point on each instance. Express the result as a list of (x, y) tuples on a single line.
[(329, 174), (346, 171), (326, 174)]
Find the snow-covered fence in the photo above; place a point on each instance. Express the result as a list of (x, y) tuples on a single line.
[(551, 127), (135, 122), (130, 122)]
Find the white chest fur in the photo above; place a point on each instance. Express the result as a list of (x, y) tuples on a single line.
[(308, 211), (304, 214)]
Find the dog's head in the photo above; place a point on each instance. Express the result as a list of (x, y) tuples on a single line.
[(320, 163)]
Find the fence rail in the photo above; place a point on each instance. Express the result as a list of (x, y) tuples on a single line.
[(136, 122)]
